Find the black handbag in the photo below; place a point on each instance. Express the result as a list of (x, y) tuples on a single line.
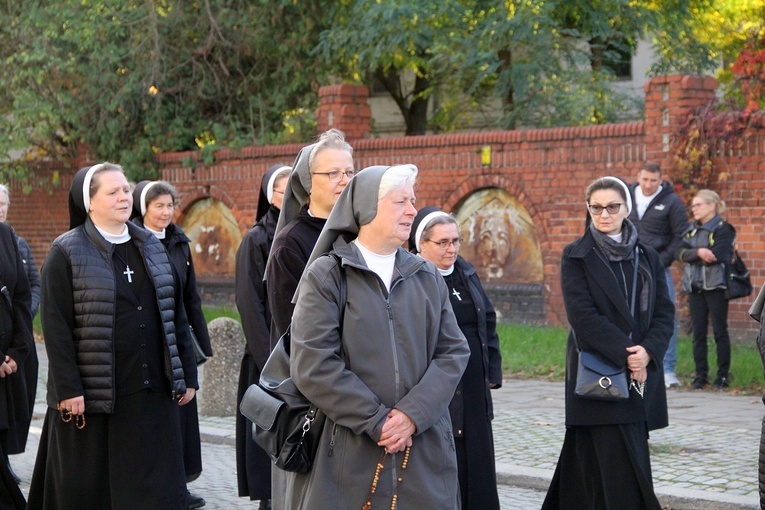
[(199, 355), (599, 379), (596, 377), (284, 423), (739, 283)]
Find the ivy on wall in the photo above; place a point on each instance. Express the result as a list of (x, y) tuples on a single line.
[(707, 132), (720, 128)]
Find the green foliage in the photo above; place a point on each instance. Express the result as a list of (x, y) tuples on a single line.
[(129, 79), (404, 46)]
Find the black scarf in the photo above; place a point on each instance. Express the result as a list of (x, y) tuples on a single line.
[(616, 252)]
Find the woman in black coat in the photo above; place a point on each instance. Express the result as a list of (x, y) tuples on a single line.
[(154, 205), (436, 238), (15, 340), (604, 461), (253, 466)]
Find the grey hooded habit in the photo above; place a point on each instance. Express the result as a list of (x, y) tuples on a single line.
[(400, 349)]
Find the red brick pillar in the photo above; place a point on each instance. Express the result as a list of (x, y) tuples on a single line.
[(345, 107), (667, 102)]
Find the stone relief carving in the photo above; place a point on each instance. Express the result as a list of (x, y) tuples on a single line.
[(214, 237), (500, 238)]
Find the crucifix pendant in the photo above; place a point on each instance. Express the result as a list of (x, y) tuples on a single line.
[(129, 273), (456, 294)]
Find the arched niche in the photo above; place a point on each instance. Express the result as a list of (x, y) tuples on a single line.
[(214, 236), (500, 238), (501, 241)]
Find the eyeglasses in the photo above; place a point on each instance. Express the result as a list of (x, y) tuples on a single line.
[(447, 242), (597, 210), (337, 175), (699, 204)]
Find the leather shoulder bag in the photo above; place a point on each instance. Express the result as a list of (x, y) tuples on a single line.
[(284, 423)]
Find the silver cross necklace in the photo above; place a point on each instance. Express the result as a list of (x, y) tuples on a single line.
[(127, 272)]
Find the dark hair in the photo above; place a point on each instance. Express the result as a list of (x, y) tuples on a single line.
[(650, 166), (160, 188), (605, 183)]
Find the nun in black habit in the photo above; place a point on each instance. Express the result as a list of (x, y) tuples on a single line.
[(153, 209), (253, 466), (435, 237), (15, 339), (120, 359)]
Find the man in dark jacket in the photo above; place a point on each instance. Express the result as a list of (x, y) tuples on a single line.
[(660, 218)]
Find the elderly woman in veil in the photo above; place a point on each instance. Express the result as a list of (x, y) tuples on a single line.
[(385, 376)]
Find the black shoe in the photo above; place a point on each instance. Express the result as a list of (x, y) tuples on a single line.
[(194, 501), (720, 383), (265, 504), (699, 382), (14, 475)]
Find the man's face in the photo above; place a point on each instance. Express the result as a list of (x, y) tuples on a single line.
[(324, 192), (649, 182), (4, 203)]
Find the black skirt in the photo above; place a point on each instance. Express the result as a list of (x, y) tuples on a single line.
[(253, 465), (125, 460), (191, 439), (603, 467)]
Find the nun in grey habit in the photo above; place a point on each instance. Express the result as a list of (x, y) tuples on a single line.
[(385, 376)]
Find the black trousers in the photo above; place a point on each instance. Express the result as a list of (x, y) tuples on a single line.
[(703, 306)]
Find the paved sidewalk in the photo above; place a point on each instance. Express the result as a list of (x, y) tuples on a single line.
[(705, 459)]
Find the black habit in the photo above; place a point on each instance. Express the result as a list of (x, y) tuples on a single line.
[(253, 466), (130, 457), (290, 252), (605, 460), (177, 245), (471, 407), (15, 341)]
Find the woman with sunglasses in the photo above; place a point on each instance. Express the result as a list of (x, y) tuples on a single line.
[(435, 237), (622, 313)]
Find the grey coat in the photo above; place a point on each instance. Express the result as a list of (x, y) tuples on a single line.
[(402, 350)]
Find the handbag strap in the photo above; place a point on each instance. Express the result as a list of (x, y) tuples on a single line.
[(634, 282), (633, 297), (343, 302)]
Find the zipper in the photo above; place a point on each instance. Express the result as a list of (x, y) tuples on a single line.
[(332, 440)]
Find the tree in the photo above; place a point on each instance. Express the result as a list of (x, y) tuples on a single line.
[(130, 79), (401, 44)]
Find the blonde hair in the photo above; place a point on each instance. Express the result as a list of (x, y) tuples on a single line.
[(711, 197)]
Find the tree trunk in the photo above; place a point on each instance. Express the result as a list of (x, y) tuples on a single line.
[(418, 109), (508, 100)]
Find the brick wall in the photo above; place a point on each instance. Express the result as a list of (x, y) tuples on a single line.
[(546, 170)]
